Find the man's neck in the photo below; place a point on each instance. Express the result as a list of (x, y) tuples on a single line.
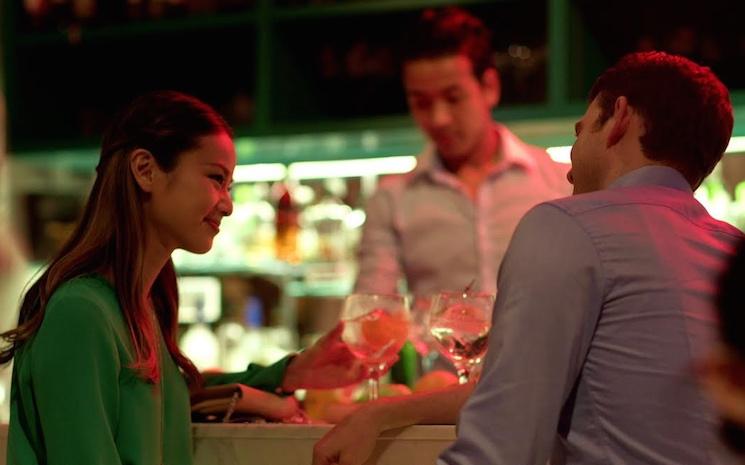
[(474, 171), (626, 162)]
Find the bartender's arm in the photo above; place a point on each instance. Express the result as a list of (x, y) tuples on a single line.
[(550, 294), (378, 256)]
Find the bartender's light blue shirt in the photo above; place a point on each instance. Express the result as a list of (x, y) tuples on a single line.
[(605, 302)]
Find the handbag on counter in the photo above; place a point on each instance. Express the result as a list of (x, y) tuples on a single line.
[(241, 403)]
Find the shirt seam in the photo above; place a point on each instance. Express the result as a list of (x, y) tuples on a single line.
[(646, 203), (593, 404)]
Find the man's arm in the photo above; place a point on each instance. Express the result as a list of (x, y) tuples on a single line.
[(379, 255), (352, 441), (550, 294)]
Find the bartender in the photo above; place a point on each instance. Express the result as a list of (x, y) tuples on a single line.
[(448, 222)]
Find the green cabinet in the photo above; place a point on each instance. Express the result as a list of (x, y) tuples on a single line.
[(279, 67), (271, 67)]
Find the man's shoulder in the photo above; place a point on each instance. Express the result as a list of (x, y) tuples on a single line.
[(629, 202), (581, 204), (395, 184)]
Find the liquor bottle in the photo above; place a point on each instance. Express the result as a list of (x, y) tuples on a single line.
[(287, 226)]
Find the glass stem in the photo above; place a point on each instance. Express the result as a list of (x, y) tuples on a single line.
[(428, 362), (373, 392), (462, 374)]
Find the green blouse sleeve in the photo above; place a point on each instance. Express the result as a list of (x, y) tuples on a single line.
[(265, 378), (75, 367)]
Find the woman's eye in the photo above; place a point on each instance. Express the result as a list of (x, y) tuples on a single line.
[(220, 179)]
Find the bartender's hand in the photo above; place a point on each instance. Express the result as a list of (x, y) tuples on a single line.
[(326, 364), (352, 441)]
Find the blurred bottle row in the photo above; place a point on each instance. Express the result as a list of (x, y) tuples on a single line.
[(315, 222), (273, 225), (221, 342)]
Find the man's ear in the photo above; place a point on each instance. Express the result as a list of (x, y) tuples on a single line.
[(144, 168), (491, 87), (620, 120)]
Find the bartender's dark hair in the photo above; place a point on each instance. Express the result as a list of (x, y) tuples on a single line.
[(686, 109), (449, 31), (110, 235)]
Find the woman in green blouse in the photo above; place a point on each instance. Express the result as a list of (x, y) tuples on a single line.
[(98, 377)]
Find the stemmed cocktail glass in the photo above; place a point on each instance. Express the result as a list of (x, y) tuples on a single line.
[(375, 328), (460, 322)]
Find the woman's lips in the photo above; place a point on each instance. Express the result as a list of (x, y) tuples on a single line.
[(213, 224)]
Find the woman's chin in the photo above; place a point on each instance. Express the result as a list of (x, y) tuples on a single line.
[(199, 248)]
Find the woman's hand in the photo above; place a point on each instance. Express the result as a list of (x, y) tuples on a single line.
[(326, 364)]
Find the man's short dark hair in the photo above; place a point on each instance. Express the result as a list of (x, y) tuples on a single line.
[(449, 31), (686, 109)]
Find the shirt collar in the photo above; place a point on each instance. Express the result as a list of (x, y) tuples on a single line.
[(656, 175), (514, 152)]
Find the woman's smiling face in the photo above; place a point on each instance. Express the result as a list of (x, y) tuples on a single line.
[(188, 203)]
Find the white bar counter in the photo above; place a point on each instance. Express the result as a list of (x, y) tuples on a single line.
[(280, 444)]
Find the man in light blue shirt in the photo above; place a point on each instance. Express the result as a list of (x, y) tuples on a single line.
[(606, 299)]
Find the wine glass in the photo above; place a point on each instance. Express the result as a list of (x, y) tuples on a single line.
[(460, 322), (375, 328)]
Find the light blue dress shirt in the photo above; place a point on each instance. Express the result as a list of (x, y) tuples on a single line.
[(605, 303)]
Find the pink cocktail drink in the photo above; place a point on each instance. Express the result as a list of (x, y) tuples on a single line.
[(376, 336)]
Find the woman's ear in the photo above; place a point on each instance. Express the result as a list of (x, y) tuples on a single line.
[(144, 168)]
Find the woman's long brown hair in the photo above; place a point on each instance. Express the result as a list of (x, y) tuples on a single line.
[(110, 236)]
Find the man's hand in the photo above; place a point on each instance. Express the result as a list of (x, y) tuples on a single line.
[(326, 364), (352, 441)]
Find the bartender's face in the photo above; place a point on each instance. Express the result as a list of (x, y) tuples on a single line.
[(587, 153), (450, 104)]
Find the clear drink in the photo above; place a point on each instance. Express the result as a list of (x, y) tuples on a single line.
[(460, 323), (469, 347)]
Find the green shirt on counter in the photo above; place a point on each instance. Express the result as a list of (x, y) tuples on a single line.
[(74, 399)]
